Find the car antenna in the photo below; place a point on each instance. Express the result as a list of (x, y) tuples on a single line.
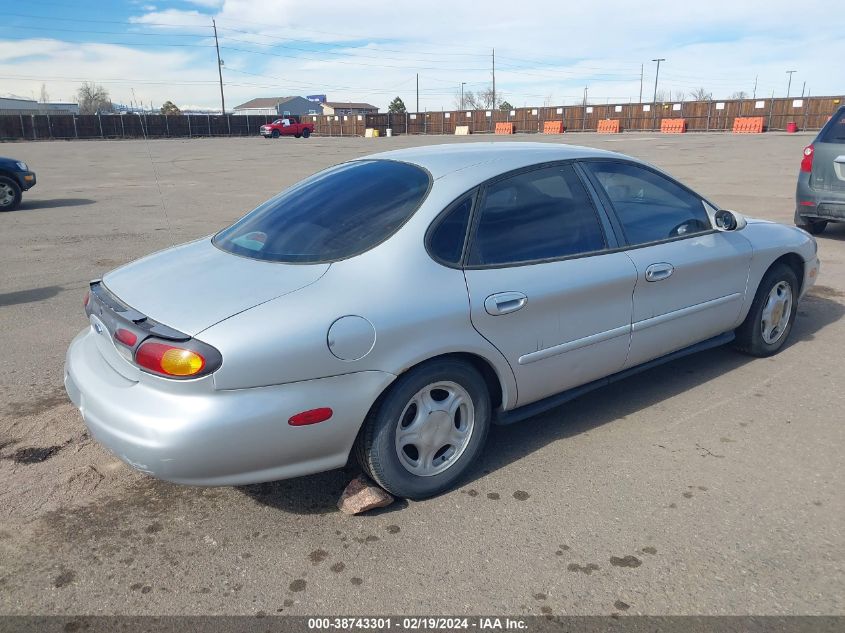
[(158, 184)]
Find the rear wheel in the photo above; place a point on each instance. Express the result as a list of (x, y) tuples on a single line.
[(424, 435), (306, 133), (772, 313), (10, 194)]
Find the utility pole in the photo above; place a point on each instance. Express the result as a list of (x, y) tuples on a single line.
[(656, 75), (418, 93), (642, 69), (789, 85), (754, 94), (494, 80), (219, 68), (803, 88), (463, 83)]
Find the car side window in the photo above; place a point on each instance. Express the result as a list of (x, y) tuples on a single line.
[(540, 214), (446, 241), (649, 206)]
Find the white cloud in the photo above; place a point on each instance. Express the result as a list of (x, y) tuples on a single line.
[(545, 51)]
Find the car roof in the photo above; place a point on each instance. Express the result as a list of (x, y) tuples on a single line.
[(441, 160)]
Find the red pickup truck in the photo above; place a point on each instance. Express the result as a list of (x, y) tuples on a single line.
[(287, 126)]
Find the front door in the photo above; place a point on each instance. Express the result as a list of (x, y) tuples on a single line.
[(691, 279), (543, 287)]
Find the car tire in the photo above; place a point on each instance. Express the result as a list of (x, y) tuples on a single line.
[(410, 445), (297, 135), (771, 315), (275, 133), (306, 133), (10, 194)]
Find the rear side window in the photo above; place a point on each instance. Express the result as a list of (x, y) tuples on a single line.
[(446, 241), (834, 131), (332, 215), (649, 206), (540, 214)]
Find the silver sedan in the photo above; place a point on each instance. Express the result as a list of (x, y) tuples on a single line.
[(392, 308)]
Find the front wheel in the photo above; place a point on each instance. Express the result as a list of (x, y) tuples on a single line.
[(306, 133), (275, 133), (426, 432), (772, 313), (10, 194)]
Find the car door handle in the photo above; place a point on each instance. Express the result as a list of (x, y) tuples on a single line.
[(504, 303), (658, 272)]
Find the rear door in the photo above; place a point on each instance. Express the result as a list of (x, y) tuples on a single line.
[(544, 287), (829, 156), (691, 279)]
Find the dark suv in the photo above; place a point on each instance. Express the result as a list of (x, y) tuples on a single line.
[(15, 178), (820, 197)]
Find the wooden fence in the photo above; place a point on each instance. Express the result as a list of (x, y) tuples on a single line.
[(808, 114)]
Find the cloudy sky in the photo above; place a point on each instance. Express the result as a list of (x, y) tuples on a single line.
[(547, 52)]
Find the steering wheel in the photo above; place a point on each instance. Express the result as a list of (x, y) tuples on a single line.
[(692, 225)]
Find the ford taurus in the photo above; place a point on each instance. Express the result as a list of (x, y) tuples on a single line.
[(392, 308)]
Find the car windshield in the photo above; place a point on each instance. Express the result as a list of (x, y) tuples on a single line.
[(332, 215)]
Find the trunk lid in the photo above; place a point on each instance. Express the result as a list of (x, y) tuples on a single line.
[(193, 286)]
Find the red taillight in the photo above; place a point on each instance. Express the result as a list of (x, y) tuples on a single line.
[(169, 360), (312, 416), (86, 299), (126, 337), (807, 161)]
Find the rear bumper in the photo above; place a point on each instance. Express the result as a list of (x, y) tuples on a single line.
[(817, 203), (190, 433)]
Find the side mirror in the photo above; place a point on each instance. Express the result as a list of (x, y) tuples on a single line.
[(725, 220)]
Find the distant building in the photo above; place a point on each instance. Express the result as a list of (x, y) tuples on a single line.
[(272, 106), (19, 105), (342, 107)]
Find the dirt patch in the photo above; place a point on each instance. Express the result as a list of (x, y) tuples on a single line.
[(825, 292), (37, 406), (34, 454)]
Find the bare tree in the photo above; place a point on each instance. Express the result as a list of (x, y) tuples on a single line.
[(481, 100), (739, 94), (700, 94), (44, 98), (662, 97), (93, 99)]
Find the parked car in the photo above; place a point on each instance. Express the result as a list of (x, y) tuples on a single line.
[(820, 196), (287, 126), (396, 306), (15, 178)]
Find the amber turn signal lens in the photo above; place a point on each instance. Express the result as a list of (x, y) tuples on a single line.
[(169, 359)]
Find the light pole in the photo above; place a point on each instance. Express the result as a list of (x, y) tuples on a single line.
[(463, 83), (656, 75), (789, 85)]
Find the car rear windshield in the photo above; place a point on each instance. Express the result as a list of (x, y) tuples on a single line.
[(834, 131), (332, 215)]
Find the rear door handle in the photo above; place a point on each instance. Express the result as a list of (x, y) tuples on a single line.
[(504, 303), (658, 272)]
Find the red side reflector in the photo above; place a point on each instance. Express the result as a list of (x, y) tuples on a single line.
[(808, 203), (86, 299), (312, 416), (126, 337)]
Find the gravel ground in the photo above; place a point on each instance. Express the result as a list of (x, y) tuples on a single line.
[(712, 485)]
